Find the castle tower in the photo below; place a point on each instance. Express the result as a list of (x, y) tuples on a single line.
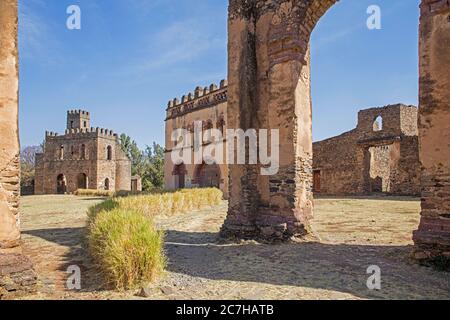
[(78, 119)]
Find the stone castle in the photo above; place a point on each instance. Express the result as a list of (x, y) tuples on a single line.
[(381, 155), (83, 158)]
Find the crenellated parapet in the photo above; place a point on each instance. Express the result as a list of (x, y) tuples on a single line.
[(202, 97), (83, 132)]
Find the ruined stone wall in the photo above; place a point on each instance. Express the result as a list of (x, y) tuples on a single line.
[(363, 160), (207, 105), (433, 237), (341, 164)]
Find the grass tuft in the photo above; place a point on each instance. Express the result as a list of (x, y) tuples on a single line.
[(123, 241), (126, 247)]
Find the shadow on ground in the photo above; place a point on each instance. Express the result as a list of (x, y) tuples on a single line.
[(74, 240), (336, 267)]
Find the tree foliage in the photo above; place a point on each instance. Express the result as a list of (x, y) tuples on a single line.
[(147, 163)]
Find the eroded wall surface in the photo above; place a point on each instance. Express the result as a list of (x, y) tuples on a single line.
[(363, 160), (433, 236), (269, 88), (9, 136), (17, 276)]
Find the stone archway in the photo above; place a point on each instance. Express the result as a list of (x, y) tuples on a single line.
[(61, 184), (82, 181), (269, 88)]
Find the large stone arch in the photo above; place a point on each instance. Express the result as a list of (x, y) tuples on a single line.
[(269, 88)]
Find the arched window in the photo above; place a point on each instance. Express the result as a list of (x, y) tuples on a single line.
[(107, 184), (61, 152), (83, 152), (109, 153), (378, 124)]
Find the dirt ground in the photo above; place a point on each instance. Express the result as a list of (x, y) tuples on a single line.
[(354, 234)]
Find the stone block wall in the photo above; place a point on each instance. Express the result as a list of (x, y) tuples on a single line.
[(365, 160)]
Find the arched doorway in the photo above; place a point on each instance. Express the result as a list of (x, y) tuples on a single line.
[(82, 181), (106, 184), (179, 174), (61, 184), (208, 176)]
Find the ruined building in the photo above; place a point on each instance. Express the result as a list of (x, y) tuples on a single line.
[(82, 158), (206, 105), (380, 156)]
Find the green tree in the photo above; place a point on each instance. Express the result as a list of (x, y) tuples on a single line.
[(155, 166), (148, 164)]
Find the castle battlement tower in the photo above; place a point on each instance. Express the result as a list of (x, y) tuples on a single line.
[(78, 119), (82, 158)]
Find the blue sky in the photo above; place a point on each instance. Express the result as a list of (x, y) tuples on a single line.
[(130, 57)]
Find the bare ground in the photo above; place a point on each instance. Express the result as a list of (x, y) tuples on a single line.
[(354, 234)]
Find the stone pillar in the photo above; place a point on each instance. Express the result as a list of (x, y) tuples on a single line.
[(269, 88), (433, 237), (16, 274)]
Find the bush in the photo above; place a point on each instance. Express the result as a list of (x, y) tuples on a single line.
[(126, 247), (123, 240)]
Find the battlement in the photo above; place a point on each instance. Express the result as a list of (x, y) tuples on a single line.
[(201, 97), (96, 131), (78, 112)]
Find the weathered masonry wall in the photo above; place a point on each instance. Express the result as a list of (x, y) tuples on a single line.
[(9, 149), (433, 237), (370, 159), (16, 271), (206, 105)]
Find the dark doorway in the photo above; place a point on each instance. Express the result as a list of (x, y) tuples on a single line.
[(180, 173), (208, 176), (107, 187), (61, 184), (82, 181)]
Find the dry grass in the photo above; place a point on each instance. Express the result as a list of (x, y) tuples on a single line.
[(168, 203), (123, 240), (126, 248), (93, 193)]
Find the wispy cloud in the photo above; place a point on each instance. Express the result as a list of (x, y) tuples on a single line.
[(35, 40), (181, 42)]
